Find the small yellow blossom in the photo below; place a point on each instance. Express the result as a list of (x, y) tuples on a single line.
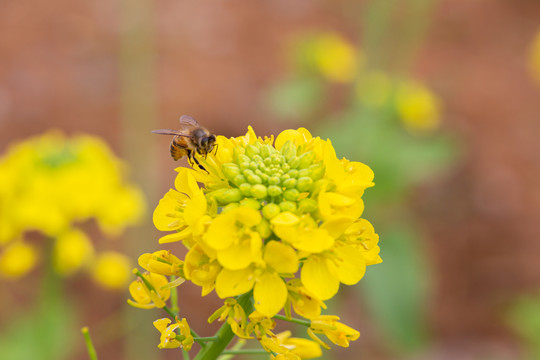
[(340, 334), (147, 298), (162, 262), (169, 338), (303, 348), (17, 259)]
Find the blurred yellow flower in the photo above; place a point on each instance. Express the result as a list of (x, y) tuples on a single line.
[(534, 58), (17, 259), (418, 107), (333, 57), (112, 270), (72, 250)]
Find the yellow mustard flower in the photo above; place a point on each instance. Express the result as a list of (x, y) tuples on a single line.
[(170, 339), (261, 210), (303, 348), (17, 259), (340, 334), (147, 298)]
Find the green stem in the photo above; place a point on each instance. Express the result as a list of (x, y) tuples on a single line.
[(174, 297), (224, 334), (245, 352), (89, 344), (208, 338), (293, 320)]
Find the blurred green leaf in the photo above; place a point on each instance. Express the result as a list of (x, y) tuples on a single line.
[(396, 290), (524, 318), (295, 99), (47, 332)]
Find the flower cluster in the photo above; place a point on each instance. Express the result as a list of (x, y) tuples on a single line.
[(277, 221), (48, 184)]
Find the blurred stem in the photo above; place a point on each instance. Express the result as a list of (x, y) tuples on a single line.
[(138, 113), (174, 297), (89, 344)]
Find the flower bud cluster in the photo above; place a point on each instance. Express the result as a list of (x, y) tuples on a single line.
[(271, 180)]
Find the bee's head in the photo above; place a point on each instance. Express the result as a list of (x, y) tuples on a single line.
[(206, 144)]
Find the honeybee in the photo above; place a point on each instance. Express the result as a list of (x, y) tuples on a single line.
[(191, 138)]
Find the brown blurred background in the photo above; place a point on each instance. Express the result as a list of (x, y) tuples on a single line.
[(121, 69)]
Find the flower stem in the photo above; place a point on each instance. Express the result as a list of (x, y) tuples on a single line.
[(89, 344), (293, 320), (245, 352), (225, 334)]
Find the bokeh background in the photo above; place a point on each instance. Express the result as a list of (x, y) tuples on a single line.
[(440, 97)]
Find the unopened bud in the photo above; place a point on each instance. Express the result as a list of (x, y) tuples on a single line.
[(287, 206), (291, 194), (304, 184), (230, 170), (259, 191), (274, 190), (270, 210)]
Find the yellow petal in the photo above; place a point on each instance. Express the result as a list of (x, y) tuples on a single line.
[(234, 282), (270, 294), (318, 279), (280, 257), (352, 265)]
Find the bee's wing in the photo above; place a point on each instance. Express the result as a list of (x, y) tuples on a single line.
[(186, 120), (170, 132)]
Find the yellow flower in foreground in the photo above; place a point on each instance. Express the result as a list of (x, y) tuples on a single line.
[(340, 334), (262, 210), (146, 298), (17, 259), (169, 338)]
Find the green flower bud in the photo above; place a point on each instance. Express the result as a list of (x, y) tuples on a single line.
[(238, 151), (243, 158), (277, 159), (228, 196), (285, 167), (230, 170), (254, 179), (289, 150), (267, 161), (245, 189), (264, 178), (289, 183), (244, 165), (265, 151), (294, 163), (252, 150), (317, 171), (291, 194), (270, 210), (307, 205), (306, 159), (287, 206), (304, 184), (274, 190), (230, 207), (303, 173), (258, 159), (293, 173), (252, 203), (259, 191), (253, 165), (264, 229), (239, 179), (273, 180)]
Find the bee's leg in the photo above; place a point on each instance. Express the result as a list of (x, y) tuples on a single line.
[(216, 149), (192, 155)]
